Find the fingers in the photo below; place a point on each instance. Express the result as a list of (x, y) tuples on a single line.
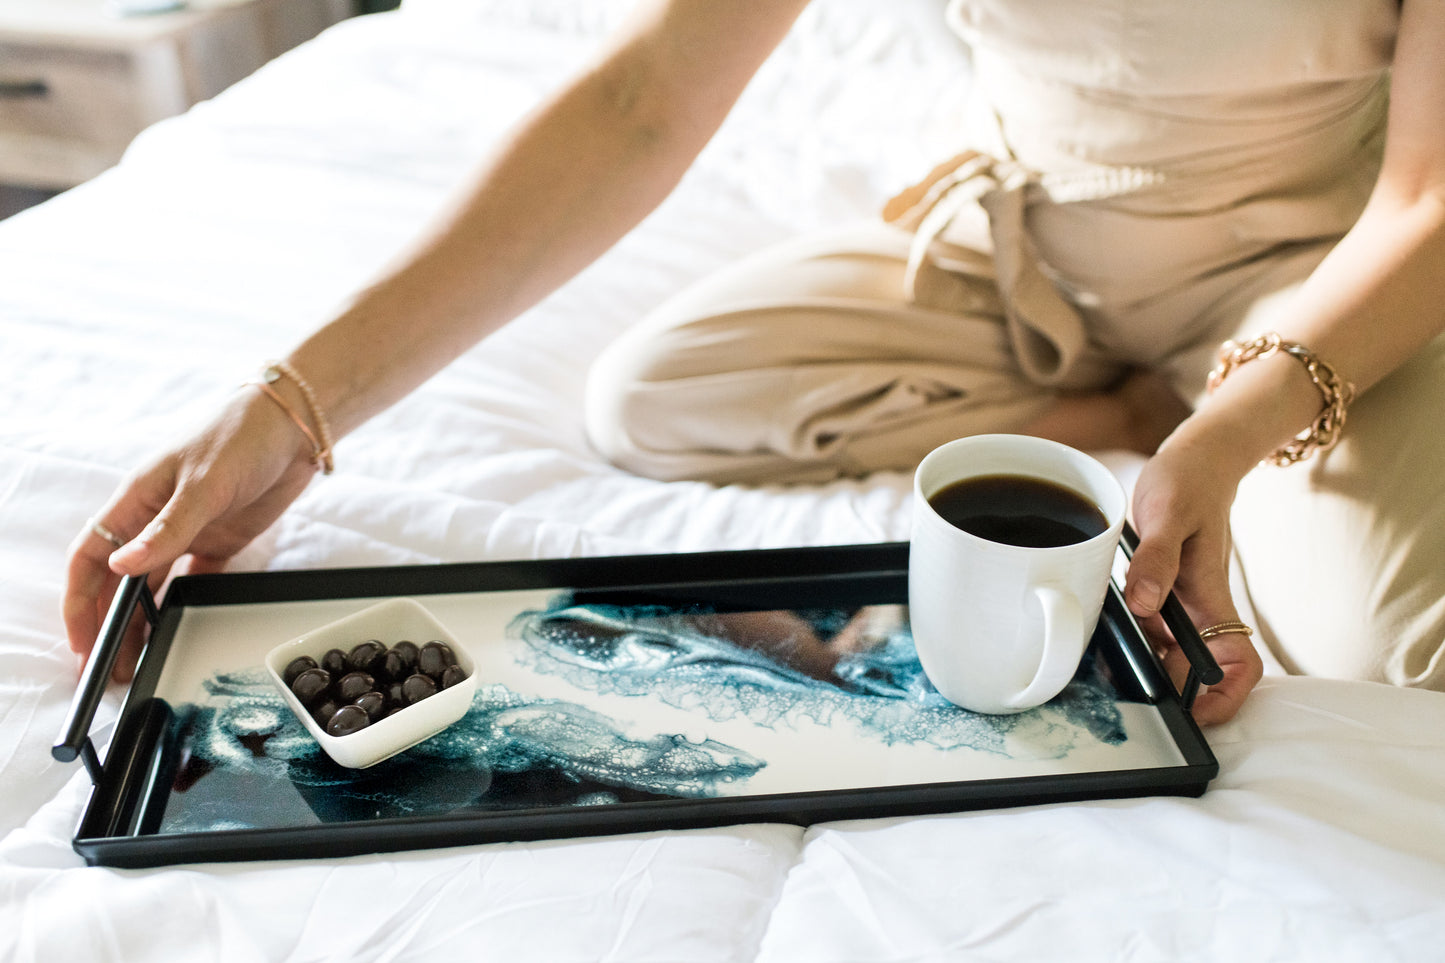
[(92, 572), (90, 581), (89, 585), (1152, 572), (168, 535), (96, 565), (90, 590), (158, 544), (1242, 667), (1188, 552), (206, 499), (1206, 598), (86, 575), (1163, 528), (1203, 588)]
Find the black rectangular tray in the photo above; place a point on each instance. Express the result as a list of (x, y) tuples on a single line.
[(167, 794)]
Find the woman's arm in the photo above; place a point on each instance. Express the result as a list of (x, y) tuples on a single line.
[(565, 186), (1373, 302), (569, 181), (1369, 306)]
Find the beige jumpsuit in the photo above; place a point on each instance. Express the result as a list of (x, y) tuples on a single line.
[(1130, 197)]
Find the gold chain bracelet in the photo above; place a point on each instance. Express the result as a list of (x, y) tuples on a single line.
[(1337, 392)]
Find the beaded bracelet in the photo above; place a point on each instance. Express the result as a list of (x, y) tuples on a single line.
[(321, 438), (1337, 392)]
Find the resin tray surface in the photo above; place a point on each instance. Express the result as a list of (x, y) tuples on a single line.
[(613, 695)]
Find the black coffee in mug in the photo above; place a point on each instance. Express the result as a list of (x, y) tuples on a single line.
[(1019, 510)]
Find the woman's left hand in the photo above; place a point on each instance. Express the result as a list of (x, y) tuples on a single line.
[(1181, 511)]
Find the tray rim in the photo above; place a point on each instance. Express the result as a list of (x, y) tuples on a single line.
[(114, 798)]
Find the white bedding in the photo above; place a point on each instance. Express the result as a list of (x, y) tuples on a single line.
[(132, 305)]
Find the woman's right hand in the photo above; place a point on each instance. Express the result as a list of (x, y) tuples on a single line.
[(565, 185), (198, 504)]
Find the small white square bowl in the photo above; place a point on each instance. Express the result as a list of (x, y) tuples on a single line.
[(388, 622)]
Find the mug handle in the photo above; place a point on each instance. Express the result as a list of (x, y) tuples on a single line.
[(1063, 629)]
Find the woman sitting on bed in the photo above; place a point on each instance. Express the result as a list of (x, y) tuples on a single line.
[(1140, 186)]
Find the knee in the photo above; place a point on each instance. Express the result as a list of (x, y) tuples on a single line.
[(1344, 556), (652, 414), (642, 416), (615, 402), (1338, 594)]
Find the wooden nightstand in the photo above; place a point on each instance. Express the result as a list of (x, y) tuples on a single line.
[(77, 82)]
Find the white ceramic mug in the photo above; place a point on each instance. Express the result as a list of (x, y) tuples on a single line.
[(1001, 628)]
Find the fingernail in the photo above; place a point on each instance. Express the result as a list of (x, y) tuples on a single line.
[(136, 546), (1147, 594)]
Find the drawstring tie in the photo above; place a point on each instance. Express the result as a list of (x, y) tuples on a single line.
[(1047, 333)]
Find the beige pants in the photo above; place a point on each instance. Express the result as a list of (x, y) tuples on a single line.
[(843, 355), (834, 356)]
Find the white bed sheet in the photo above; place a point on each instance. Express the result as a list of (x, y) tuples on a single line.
[(129, 307)]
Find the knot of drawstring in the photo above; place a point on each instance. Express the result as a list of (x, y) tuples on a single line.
[(1047, 333)]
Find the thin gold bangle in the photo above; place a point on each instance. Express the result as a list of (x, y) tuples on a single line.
[(1337, 393), (319, 456), (320, 438), (318, 417)]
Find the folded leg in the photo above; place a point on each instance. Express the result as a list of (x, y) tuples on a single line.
[(808, 362)]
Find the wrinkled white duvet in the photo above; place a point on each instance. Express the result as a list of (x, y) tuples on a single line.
[(132, 305)]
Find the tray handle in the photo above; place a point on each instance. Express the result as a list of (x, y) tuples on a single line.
[(74, 739), (1203, 669)]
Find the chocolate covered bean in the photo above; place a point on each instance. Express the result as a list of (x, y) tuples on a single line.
[(310, 685), (297, 666), (334, 661), (346, 720), (366, 656), (347, 690), (417, 688), (373, 703), (434, 658), (354, 684)]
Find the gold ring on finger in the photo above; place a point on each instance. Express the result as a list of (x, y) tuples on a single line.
[(1229, 627), (97, 528)]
